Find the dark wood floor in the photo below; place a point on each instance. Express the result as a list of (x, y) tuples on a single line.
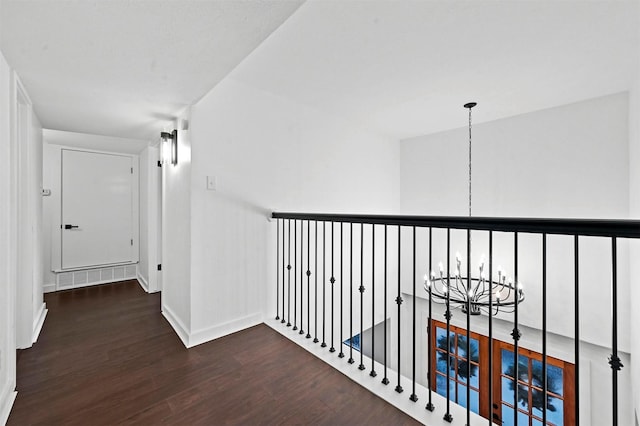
[(107, 356)]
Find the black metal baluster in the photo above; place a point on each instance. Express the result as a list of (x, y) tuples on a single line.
[(385, 380), (576, 306), (295, 274), (288, 275), (324, 283), (341, 354), (315, 270), (333, 281), (373, 300), (516, 332), (430, 406), (468, 348), (447, 416), (614, 360), (283, 268), (399, 302), (544, 327), (302, 277), (351, 360), (361, 366), (491, 295), (277, 269), (308, 336), (413, 396)]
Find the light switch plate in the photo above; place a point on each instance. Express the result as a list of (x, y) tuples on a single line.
[(212, 183)]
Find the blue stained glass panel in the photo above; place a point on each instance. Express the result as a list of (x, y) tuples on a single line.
[(555, 411), (507, 416), (475, 401), (462, 347), (441, 364), (462, 395), (507, 362), (354, 342), (536, 409), (475, 379), (441, 387), (523, 396), (462, 398), (507, 392), (555, 377), (523, 368)]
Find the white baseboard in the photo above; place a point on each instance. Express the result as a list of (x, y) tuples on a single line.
[(143, 283), (38, 322), (7, 397), (210, 333), (204, 335), (177, 325), (49, 288)]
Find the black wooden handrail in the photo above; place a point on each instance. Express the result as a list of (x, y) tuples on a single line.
[(622, 228)]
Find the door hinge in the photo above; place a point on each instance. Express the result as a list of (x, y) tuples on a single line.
[(159, 163), (132, 170), (159, 267), (132, 241)]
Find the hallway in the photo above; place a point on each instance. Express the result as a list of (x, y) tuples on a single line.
[(107, 356)]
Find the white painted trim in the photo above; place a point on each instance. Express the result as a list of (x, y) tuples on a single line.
[(73, 287), (26, 214), (87, 268), (375, 386), (38, 321), (211, 333), (7, 397), (56, 200), (49, 288), (143, 283), (177, 325)]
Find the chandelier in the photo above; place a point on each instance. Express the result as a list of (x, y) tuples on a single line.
[(477, 293)]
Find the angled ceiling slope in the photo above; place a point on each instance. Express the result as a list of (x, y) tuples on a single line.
[(124, 68), (405, 68)]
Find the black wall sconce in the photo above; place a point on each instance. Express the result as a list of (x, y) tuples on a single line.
[(170, 147)]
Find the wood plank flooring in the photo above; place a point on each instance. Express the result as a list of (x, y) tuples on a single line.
[(107, 356)]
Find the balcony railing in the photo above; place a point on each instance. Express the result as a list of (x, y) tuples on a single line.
[(338, 277)]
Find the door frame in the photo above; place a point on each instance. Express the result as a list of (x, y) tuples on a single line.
[(56, 200), (24, 216)]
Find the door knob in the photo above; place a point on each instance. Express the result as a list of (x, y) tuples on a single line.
[(70, 226)]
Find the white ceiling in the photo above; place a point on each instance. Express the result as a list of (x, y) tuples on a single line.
[(401, 67), (127, 68), (405, 68)]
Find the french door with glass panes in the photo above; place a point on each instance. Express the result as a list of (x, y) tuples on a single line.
[(475, 375)]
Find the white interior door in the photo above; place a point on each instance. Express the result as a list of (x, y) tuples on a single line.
[(97, 209)]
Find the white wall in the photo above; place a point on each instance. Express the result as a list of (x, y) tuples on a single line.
[(176, 239), (268, 154), (27, 163), (143, 261), (149, 217), (7, 257), (21, 301), (39, 307), (50, 174)]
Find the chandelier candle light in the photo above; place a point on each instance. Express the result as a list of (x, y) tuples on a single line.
[(479, 293)]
